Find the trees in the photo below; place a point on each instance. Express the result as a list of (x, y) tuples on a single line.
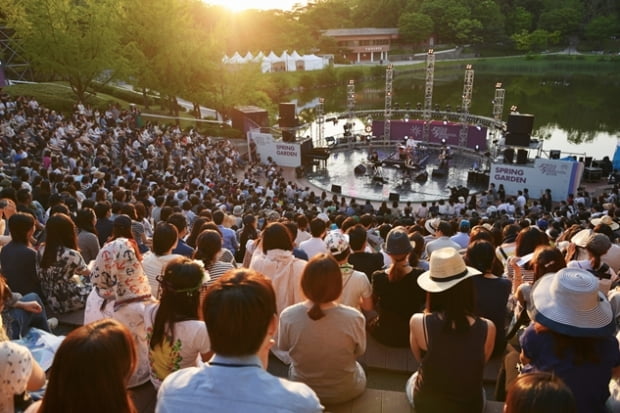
[(74, 41), (415, 28)]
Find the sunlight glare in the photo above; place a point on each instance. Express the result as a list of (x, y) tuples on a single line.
[(240, 5)]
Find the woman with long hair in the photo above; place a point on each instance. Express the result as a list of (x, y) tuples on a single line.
[(177, 338), (279, 264), (208, 250), (539, 392), (396, 294), (165, 240), (449, 337), (121, 291), (91, 370), (87, 238), (324, 338), (62, 269), (196, 230), (492, 292), (528, 239)]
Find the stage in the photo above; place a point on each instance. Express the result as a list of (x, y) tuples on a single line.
[(339, 168)]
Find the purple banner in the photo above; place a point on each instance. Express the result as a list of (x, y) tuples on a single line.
[(438, 130)]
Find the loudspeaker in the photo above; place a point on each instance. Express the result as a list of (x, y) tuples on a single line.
[(588, 161), (337, 189), (521, 157), (287, 115), (554, 154), (520, 123), (394, 196), (509, 155), (359, 170), (288, 136), (517, 139)]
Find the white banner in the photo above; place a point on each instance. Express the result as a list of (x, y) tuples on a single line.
[(562, 177), (282, 153)]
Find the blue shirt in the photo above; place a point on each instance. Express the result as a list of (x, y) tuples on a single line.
[(229, 239), (183, 249), (233, 384)]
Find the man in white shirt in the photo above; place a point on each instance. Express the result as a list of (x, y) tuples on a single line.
[(315, 245), (442, 239)]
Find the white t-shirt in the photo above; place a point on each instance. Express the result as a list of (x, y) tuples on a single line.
[(15, 369), (190, 341)]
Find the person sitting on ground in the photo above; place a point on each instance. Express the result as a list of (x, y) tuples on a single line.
[(315, 245), (443, 232), (324, 338), (573, 336), (539, 392), (240, 312), (367, 262), (177, 339), (94, 358), (164, 241), (19, 371), (597, 245), (229, 238), (18, 259), (492, 292), (396, 293), (62, 270), (87, 240), (208, 250), (178, 220), (449, 337), (356, 289)]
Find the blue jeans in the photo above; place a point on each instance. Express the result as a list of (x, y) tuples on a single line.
[(22, 320)]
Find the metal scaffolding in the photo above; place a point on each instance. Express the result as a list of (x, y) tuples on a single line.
[(15, 64), (468, 87), (320, 121), (498, 104), (427, 113), (387, 114)]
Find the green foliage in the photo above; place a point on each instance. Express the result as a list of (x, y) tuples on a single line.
[(75, 41), (415, 28)]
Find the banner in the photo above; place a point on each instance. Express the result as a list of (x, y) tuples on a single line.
[(561, 176), (282, 153)]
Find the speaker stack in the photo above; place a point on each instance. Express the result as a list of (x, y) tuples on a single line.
[(519, 129), (288, 119)]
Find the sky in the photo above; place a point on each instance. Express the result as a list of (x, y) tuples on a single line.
[(238, 5)]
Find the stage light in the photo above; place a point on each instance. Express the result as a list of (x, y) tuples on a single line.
[(498, 85), (443, 141), (477, 148)]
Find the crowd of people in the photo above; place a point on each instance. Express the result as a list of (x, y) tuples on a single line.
[(192, 264)]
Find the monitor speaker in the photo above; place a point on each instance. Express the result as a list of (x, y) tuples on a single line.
[(521, 157), (509, 155), (394, 196), (520, 124), (554, 154), (359, 169), (337, 189), (287, 115)]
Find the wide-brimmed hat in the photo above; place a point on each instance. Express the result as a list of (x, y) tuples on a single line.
[(446, 269), (607, 220), (336, 242), (431, 225), (569, 302), (581, 238), (397, 242)]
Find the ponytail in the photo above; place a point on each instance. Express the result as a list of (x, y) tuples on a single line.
[(315, 313)]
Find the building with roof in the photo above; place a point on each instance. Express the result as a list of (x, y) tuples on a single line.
[(368, 44)]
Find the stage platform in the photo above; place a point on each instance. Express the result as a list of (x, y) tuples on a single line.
[(339, 170)]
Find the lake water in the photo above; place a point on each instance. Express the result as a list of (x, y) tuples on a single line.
[(575, 114)]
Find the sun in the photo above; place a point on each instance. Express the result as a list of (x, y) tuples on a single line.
[(241, 5)]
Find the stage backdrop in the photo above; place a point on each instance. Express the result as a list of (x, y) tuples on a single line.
[(283, 153), (562, 177), (476, 135)]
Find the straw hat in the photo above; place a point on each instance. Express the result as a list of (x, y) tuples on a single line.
[(581, 238), (431, 225), (607, 220), (599, 244), (447, 269), (569, 302), (397, 242)]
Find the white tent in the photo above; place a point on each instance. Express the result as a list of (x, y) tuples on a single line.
[(225, 59), (236, 59), (260, 56), (313, 62), (248, 57)]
